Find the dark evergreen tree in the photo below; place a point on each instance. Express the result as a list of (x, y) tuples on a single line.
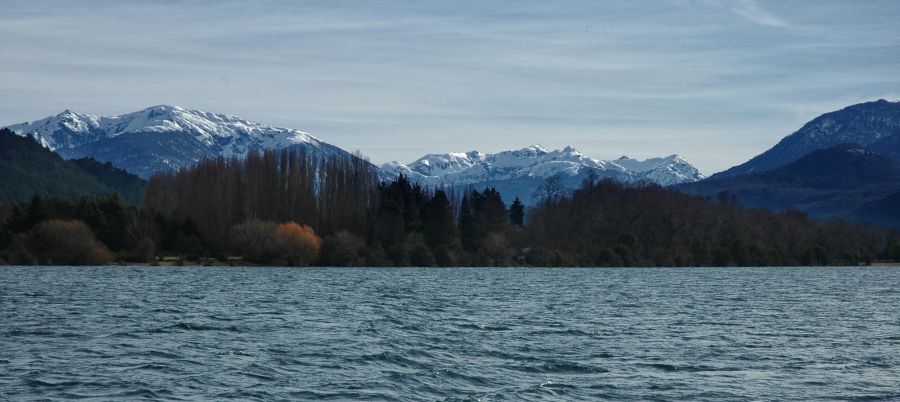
[(490, 213), (467, 229), (390, 222), (439, 228), (517, 213)]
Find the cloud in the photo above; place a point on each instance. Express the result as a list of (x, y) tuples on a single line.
[(753, 12), (717, 81)]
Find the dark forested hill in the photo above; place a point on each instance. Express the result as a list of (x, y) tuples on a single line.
[(29, 169), (833, 182)]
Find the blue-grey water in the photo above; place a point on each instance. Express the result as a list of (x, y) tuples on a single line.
[(116, 333)]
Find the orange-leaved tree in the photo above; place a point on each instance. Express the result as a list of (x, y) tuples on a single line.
[(296, 245)]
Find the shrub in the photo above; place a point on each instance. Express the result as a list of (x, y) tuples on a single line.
[(343, 249), (375, 256), (296, 245), (253, 240), (61, 242), (496, 249), (419, 253), (146, 250)]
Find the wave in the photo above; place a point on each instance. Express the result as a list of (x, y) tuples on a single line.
[(189, 326), (559, 368), (486, 327)]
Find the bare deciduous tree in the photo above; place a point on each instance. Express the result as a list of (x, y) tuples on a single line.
[(552, 189)]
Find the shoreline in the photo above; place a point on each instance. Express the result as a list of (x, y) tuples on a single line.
[(195, 265)]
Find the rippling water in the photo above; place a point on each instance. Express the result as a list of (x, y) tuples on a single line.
[(435, 334)]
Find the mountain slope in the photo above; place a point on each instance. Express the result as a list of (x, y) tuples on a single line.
[(518, 173), (832, 182), (889, 146), (883, 212), (862, 124), (29, 168), (162, 137)]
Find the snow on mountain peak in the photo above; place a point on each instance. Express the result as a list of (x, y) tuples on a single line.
[(536, 148), (536, 162), (863, 124), (443, 164), (161, 137), (669, 170), (70, 129)]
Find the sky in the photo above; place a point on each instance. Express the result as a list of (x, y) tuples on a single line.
[(714, 81)]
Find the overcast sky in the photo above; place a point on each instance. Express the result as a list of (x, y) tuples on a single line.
[(715, 81)]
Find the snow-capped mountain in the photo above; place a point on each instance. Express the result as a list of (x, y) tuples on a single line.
[(517, 173), (165, 138), (862, 124), (161, 137), (667, 171)]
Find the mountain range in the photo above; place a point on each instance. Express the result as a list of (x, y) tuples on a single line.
[(162, 138), (841, 164), (518, 173), (166, 138)]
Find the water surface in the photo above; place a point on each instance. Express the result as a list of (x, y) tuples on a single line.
[(449, 334)]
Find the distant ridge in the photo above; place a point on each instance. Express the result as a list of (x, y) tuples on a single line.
[(518, 173), (862, 124), (843, 181)]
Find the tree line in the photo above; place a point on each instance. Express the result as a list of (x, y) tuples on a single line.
[(289, 207), (608, 224)]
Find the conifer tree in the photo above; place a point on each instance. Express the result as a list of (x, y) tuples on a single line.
[(517, 213)]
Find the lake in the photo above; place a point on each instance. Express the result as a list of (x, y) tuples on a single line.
[(461, 333)]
